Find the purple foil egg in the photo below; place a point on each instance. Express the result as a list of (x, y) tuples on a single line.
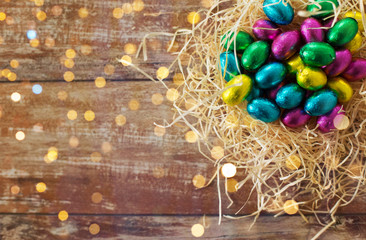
[(311, 30), (296, 117), (356, 70), (341, 62), (325, 122), (286, 45), (328, 23), (266, 30), (272, 93)]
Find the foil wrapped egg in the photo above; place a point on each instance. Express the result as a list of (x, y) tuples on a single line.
[(294, 118), (355, 44), (342, 60), (322, 8), (290, 96), (321, 102), (278, 11), (311, 78), (229, 65), (272, 93), (342, 32), (256, 92), (317, 54), (356, 70), (294, 64), (270, 75), (266, 30), (235, 95), (263, 109), (326, 122), (286, 44), (311, 30), (342, 88), (255, 55), (356, 15), (241, 42)]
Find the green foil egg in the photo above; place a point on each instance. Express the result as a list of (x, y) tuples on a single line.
[(311, 78), (325, 6), (235, 95), (317, 54), (255, 55), (342, 32), (242, 41)]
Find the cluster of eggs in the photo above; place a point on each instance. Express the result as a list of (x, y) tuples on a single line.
[(299, 73)]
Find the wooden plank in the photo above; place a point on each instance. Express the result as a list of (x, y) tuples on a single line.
[(173, 227)]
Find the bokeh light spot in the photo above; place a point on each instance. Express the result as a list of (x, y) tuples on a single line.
[(2, 16), (41, 187), (41, 16), (83, 12), (15, 189), (120, 120), (96, 157), (89, 115), (70, 53), (34, 42), (193, 17), (37, 89), (117, 13), (157, 99), (291, 207), (94, 229), (31, 34), (191, 137), (15, 97), (134, 105), (56, 10), (69, 63), (197, 230), (97, 197), (126, 60), (20, 136), (162, 73), (178, 79), (217, 152), (109, 69), (228, 170), (138, 5), (74, 142), (231, 184), (69, 76), (130, 48), (86, 49), (100, 82), (172, 94), (199, 181), (159, 131), (127, 8), (72, 115), (63, 215), (14, 63), (341, 122), (62, 95)]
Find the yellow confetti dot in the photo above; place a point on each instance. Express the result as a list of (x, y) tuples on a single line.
[(41, 187), (96, 157), (70, 53), (39, 2), (157, 99), (2, 16), (100, 82), (69, 63), (130, 48), (293, 162), (199, 181), (162, 73), (51, 155), (109, 69), (120, 120), (126, 60), (190, 103), (197, 230), (97, 197), (159, 131), (106, 147), (178, 79), (15, 189), (89, 115), (86, 49), (63, 215), (217, 152), (341, 122), (12, 76), (191, 137), (49, 42), (72, 114), (231, 184), (62, 95), (14, 63), (228, 170), (34, 42), (15, 97), (94, 229), (69, 76), (193, 17), (172, 94), (134, 105), (56, 10), (41, 16), (20, 136), (127, 8), (138, 5), (74, 142), (118, 13), (83, 12), (291, 207)]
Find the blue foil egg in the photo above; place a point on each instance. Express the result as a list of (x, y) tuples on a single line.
[(278, 11), (256, 92), (229, 65), (290, 96), (321, 102), (270, 75), (263, 109)]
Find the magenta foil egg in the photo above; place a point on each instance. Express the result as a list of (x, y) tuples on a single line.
[(296, 117), (311, 30), (266, 30), (286, 45), (328, 23), (356, 70), (272, 93), (341, 62), (325, 122)]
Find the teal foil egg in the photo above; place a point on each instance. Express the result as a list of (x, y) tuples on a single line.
[(229, 65), (270, 75), (278, 11), (255, 55), (256, 92), (241, 42), (263, 109), (290, 96), (342, 32), (321, 102)]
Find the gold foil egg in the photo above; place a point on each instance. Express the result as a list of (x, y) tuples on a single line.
[(356, 15), (235, 95), (342, 88), (295, 64), (311, 78), (355, 44)]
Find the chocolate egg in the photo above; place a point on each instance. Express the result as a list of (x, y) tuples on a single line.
[(256, 92), (358, 16), (255, 55), (286, 44), (311, 78), (355, 44), (270, 75), (322, 8), (342, 88), (342, 32), (321, 102), (242, 41), (294, 118), (356, 70), (317, 54), (290, 96), (235, 95), (294, 64), (278, 11), (329, 23), (326, 122), (272, 93), (342, 60), (263, 109), (311, 30), (229, 65), (266, 30)]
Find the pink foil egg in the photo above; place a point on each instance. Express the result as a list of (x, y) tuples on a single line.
[(272, 93), (286, 44), (296, 117), (356, 70), (341, 62), (328, 23), (325, 122), (311, 30), (266, 30)]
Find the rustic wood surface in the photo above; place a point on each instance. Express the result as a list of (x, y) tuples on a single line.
[(145, 180)]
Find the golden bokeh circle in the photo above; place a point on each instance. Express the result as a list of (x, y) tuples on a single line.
[(96, 157), (157, 99), (86, 49), (20, 136), (117, 13), (14, 63), (193, 17), (291, 207), (126, 60), (172, 94), (63, 215), (231, 185), (62, 95), (138, 5), (83, 12), (69, 76), (217, 152), (97, 197), (41, 187), (15, 189), (120, 120), (70, 53), (134, 105), (159, 131), (130, 48), (89, 115), (72, 114), (178, 79), (94, 229), (191, 137), (109, 69), (100, 82), (162, 73), (197, 230), (199, 181)]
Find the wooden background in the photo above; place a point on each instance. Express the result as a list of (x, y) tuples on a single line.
[(145, 179)]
